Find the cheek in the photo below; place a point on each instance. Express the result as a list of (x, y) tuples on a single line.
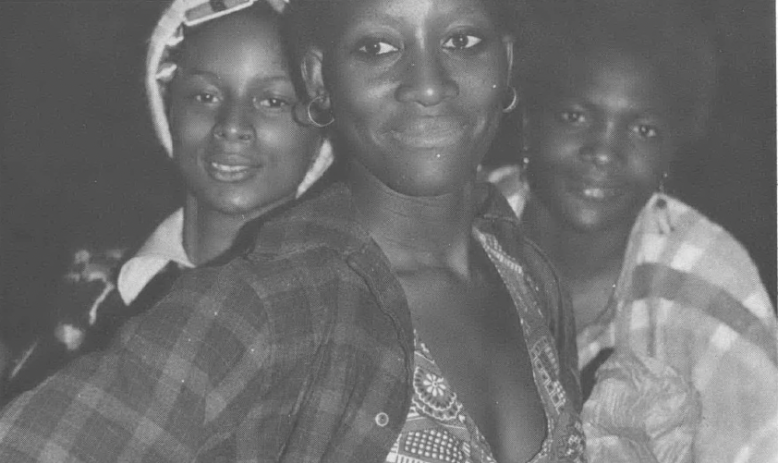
[(480, 88), (549, 145), (357, 101), (188, 128), (289, 146), (648, 165)]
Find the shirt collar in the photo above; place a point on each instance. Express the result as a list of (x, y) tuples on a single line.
[(165, 245)]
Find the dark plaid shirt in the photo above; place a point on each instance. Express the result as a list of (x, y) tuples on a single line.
[(298, 350)]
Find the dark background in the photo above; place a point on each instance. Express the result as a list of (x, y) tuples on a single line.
[(79, 162)]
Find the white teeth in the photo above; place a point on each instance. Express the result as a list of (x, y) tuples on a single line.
[(597, 193), (228, 169)]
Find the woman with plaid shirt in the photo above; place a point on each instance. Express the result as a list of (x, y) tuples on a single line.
[(399, 315)]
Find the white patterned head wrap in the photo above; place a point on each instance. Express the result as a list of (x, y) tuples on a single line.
[(167, 35)]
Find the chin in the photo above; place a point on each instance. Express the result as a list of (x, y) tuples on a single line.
[(247, 207), (431, 179), (593, 221)]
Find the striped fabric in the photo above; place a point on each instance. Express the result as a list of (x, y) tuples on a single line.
[(689, 309), (690, 297)]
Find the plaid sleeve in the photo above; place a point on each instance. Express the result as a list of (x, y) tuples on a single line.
[(152, 395)]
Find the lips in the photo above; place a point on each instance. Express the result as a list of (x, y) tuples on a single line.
[(429, 132), (597, 191), (230, 168)]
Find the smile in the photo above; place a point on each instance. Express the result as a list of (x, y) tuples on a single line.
[(230, 172), (596, 192), (599, 193), (429, 133)]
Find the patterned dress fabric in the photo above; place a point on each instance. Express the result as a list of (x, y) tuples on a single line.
[(693, 329), (438, 428)]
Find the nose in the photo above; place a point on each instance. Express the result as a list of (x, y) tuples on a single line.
[(603, 145), (234, 124), (426, 80)]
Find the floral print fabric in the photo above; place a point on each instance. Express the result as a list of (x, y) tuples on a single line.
[(439, 430)]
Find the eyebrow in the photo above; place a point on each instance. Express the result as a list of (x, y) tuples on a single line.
[(194, 72)]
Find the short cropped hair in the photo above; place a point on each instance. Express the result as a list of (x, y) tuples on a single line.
[(676, 40)]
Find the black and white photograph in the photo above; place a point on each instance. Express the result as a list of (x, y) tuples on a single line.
[(389, 231)]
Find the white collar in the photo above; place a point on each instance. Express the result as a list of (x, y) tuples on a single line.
[(165, 245)]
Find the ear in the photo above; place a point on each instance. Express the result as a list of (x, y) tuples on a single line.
[(312, 70)]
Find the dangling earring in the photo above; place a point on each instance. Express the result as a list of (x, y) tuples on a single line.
[(524, 141), (663, 182), (313, 121), (663, 219), (661, 203), (514, 100)]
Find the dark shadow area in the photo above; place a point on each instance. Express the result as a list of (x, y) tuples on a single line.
[(79, 160)]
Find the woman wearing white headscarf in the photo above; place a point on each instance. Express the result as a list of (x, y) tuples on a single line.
[(238, 161)]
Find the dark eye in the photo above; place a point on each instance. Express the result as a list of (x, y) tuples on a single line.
[(272, 102), (206, 97), (376, 47), (646, 131), (462, 42), (572, 117)]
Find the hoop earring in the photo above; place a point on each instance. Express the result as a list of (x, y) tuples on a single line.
[(314, 122), (514, 100)]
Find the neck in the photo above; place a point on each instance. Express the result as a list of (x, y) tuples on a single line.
[(208, 233), (578, 255), (415, 232)]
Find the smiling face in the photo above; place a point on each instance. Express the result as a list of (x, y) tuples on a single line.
[(416, 88), (234, 139), (601, 135)]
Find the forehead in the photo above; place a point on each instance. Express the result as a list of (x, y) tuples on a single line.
[(610, 75), (416, 11), (240, 40)]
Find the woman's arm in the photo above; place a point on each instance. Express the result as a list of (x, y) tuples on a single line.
[(150, 396)]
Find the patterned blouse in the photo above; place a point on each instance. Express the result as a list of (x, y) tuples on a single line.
[(439, 430)]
